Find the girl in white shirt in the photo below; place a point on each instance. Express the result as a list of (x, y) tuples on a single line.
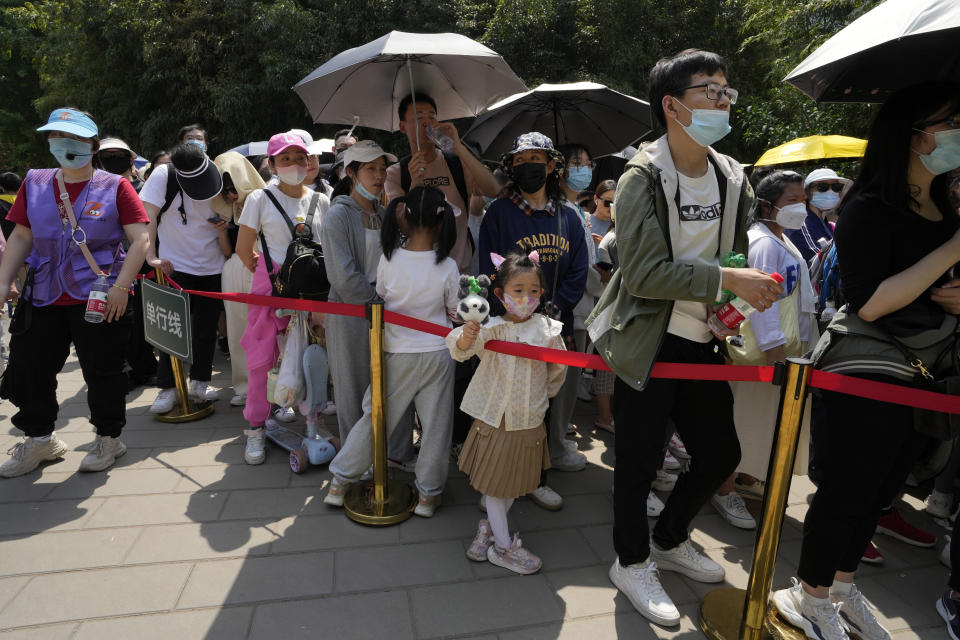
[(506, 448), (415, 278)]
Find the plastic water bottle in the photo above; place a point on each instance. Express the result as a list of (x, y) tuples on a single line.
[(445, 143), (97, 301), (733, 313)]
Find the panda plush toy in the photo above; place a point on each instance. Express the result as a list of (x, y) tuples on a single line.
[(473, 303)]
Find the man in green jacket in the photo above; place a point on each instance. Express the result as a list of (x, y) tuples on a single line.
[(680, 206)]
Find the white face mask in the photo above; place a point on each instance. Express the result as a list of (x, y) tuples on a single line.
[(292, 175), (790, 216)]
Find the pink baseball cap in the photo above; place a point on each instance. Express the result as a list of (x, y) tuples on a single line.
[(283, 141)]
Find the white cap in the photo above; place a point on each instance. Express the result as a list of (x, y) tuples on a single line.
[(365, 151), (303, 135), (818, 175), (115, 143)]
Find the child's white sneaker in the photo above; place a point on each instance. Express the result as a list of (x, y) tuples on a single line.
[(481, 542), (640, 582), (515, 558), (336, 493), (255, 451)]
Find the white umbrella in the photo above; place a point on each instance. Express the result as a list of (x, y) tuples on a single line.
[(895, 45), (588, 113), (365, 85)]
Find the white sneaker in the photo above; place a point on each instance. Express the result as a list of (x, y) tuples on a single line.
[(239, 400), (665, 481), (201, 390), (945, 554), (677, 448), (654, 505), (733, 510), (103, 454), (255, 452), (818, 620), (26, 455), (336, 493), (546, 498), (329, 409), (857, 617), (938, 504), (165, 401), (640, 582), (670, 463), (569, 461), (686, 560), (285, 414)]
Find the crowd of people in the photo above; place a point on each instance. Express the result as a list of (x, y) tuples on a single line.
[(632, 265)]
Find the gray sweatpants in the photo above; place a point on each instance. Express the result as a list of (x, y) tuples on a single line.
[(563, 404), (348, 349), (426, 380)]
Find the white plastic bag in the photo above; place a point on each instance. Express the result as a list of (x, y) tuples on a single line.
[(290, 387)]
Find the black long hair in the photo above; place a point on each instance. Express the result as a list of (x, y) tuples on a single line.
[(423, 208), (345, 184), (883, 173)]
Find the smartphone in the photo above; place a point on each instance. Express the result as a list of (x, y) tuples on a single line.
[(215, 219), (606, 266)]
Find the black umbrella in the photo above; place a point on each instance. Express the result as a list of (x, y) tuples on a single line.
[(895, 45)]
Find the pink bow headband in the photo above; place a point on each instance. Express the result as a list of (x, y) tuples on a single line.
[(498, 259)]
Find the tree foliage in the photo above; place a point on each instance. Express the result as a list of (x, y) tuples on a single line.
[(144, 68)]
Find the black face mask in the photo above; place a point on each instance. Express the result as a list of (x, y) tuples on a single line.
[(115, 164), (530, 176)]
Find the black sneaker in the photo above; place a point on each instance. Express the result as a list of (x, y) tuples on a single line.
[(949, 610)]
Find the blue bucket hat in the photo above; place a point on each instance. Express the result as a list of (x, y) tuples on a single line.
[(71, 121), (527, 141)]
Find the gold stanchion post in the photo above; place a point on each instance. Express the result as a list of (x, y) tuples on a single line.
[(382, 501), (729, 614), (185, 411)]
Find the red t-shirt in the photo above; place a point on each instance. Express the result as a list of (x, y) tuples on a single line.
[(129, 208)]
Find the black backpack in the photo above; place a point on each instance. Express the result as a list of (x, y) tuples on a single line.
[(302, 274)]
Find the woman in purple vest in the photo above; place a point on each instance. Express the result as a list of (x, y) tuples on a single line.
[(51, 312)]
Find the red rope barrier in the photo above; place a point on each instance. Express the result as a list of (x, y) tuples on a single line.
[(880, 391)]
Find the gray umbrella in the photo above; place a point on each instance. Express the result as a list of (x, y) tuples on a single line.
[(588, 113), (365, 85), (895, 45)]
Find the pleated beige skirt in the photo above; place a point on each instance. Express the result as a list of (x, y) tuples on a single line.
[(504, 464)]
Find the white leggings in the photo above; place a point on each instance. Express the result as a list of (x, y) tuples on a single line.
[(497, 516)]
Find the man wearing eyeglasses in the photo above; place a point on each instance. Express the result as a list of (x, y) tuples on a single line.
[(680, 206), (823, 189)]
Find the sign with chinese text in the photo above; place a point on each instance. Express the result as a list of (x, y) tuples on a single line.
[(166, 319)]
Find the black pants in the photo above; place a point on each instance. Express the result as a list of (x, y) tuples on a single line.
[(864, 457), (702, 412), (463, 374), (38, 355), (204, 316), (140, 356)]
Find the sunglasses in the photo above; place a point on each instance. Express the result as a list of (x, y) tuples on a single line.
[(822, 187)]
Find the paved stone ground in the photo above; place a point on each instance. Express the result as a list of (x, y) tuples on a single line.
[(182, 539)]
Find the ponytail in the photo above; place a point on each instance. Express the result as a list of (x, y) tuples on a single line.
[(448, 233), (390, 234)]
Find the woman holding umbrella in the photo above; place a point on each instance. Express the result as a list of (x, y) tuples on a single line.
[(897, 238)]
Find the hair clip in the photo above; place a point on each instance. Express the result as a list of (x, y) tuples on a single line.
[(496, 259), (533, 255)]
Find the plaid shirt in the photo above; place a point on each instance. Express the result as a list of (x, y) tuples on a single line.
[(524, 206)]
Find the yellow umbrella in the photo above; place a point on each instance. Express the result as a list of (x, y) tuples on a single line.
[(813, 148)]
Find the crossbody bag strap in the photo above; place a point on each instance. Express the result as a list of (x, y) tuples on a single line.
[(308, 225), (286, 218), (76, 228)]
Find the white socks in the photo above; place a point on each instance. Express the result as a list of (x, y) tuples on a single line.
[(497, 516), (43, 439), (841, 589)]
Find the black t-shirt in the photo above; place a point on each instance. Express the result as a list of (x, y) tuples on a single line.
[(875, 241)]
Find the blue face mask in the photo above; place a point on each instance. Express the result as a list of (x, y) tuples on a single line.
[(363, 192), (707, 126), (70, 153), (825, 201), (579, 178), (199, 143), (946, 157)]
